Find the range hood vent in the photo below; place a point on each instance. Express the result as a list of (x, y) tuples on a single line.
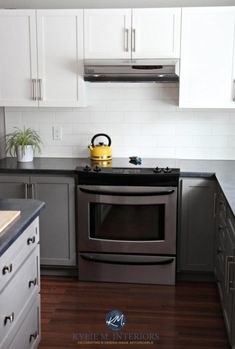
[(131, 70)]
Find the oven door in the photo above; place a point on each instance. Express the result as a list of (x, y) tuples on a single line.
[(126, 219)]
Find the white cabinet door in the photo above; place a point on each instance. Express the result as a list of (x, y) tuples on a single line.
[(18, 58), (60, 57), (107, 33), (206, 69), (156, 33)]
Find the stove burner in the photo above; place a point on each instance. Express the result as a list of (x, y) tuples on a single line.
[(167, 170), (87, 168), (97, 169), (157, 170)]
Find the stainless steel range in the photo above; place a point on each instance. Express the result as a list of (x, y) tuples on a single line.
[(127, 219)]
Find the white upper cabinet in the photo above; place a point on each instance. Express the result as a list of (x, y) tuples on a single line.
[(137, 33), (18, 58), (60, 57), (42, 60), (156, 33), (107, 33), (207, 58)]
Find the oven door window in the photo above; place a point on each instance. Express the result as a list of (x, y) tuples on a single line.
[(127, 222)]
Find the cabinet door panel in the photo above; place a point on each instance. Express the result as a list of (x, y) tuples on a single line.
[(60, 55), (104, 33), (197, 223), (157, 33), (57, 221), (13, 187), (207, 57), (18, 59)]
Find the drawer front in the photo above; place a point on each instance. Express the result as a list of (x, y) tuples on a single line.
[(91, 270), (13, 258), (28, 335), (18, 293)]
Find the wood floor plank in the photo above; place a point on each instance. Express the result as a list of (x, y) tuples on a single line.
[(185, 316)]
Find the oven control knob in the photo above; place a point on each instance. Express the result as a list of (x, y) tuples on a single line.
[(87, 169), (157, 170), (97, 169), (167, 170)]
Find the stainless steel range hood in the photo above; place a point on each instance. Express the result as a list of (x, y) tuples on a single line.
[(163, 70)]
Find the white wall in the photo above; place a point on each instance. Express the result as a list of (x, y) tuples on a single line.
[(109, 3), (142, 120)]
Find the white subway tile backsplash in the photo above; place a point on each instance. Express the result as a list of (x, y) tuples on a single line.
[(14, 118), (141, 119)]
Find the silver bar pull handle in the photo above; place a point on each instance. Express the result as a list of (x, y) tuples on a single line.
[(133, 40), (33, 190), (26, 191), (34, 92), (126, 40), (40, 96)]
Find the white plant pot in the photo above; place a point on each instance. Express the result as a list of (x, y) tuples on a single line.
[(27, 156)]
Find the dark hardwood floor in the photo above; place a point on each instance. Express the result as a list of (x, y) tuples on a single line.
[(185, 316)]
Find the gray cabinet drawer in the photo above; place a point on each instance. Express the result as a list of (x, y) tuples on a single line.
[(28, 335), (16, 254), (18, 294)]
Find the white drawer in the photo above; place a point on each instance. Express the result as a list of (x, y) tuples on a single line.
[(13, 258), (18, 294), (28, 335)]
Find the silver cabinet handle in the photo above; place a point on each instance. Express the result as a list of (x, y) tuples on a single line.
[(40, 96), (33, 190), (34, 90), (33, 336), (126, 40), (7, 269), (133, 40), (9, 318), (26, 191), (31, 240), (33, 282)]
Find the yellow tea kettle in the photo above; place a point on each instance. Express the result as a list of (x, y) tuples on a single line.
[(100, 151)]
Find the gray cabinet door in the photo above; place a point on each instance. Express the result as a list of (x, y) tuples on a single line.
[(14, 186), (57, 220), (196, 225)]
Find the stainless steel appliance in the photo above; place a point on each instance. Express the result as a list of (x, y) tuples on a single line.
[(164, 70), (127, 224)]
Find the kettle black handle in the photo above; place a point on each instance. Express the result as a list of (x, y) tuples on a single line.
[(98, 135)]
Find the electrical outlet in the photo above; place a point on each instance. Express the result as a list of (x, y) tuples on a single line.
[(57, 133)]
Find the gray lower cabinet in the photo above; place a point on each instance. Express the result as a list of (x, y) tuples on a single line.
[(57, 220), (225, 264), (195, 251)]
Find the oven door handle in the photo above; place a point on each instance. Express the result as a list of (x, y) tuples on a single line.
[(106, 260), (126, 193)]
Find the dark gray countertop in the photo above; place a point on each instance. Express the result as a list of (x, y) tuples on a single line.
[(224, 170), (30, 209)]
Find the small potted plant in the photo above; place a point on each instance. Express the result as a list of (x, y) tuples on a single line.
[(23, 144)]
